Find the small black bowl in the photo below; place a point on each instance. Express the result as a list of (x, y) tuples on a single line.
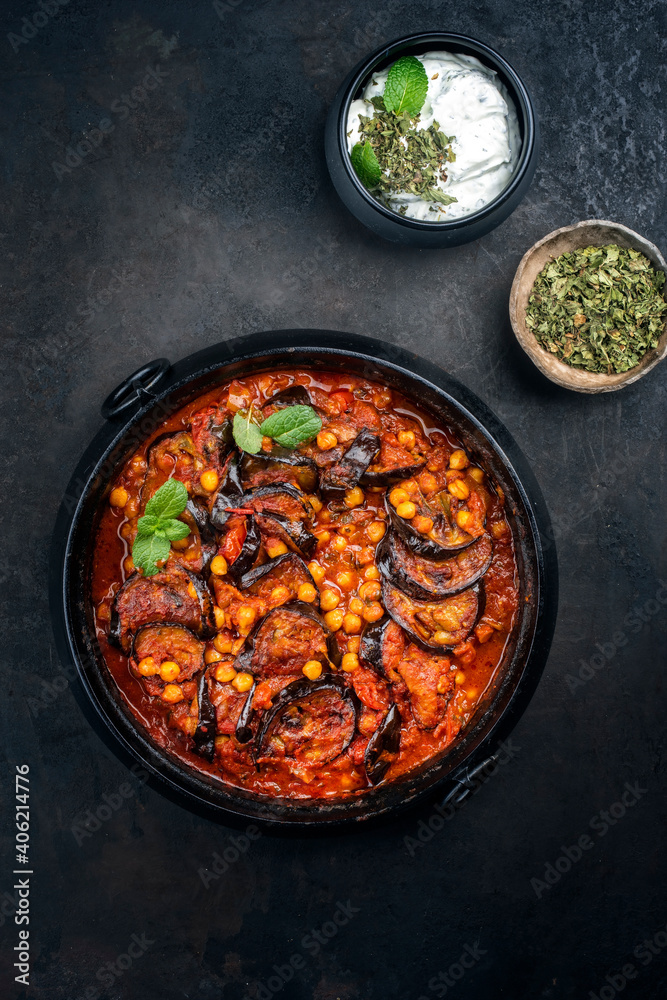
[(413, 232)]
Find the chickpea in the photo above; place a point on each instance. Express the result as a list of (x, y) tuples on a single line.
[(315, 503), (132, 507), (224, 672), (339, 543), (370, 591), (356, 606), (476, 474), (323, 536), (398, 496), (245, 617), (209, 480), (128, 564), (147, 667), (459, 489), (347, 530), (118, 497), (471, 694), (458, 459), (223, 642), (354, 497), (406, 439), (172, 693), (428, 482), (267, 443), (499, 529), (180, 544), (280, 594), (464, 519), (219, 616), (372, 612), (212, 656), (126, 530), (376, 530), (218, 566), (406, 509), (459, 678), (326, 440), (353, 644), (312, 669), (382, 399), (345, 579), (334, 619), (422, 524), (169, 670), (275, 547), (329, 600), (441, 638), (371, 573), (307, 593), (443, 685), (316, 571), (243, 682), (350, 662), (352, 623)]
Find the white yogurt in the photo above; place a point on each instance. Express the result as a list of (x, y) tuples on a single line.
[(469, 102)]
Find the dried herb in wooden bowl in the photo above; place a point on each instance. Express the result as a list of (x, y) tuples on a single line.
[(598, 308)]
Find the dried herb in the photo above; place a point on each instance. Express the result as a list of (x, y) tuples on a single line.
[(598, 308), (411, 160)]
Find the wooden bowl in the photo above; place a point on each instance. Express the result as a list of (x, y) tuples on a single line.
[(596, 233)]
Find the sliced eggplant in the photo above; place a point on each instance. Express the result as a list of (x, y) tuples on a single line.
[(162, 460), (430, 683), (204, 735), (346, 473), (451, 619), (292, 396), (288, 570), (292, 533), (281, 512), (174, 596), (229, 492), (170, 642), (311, 722), (376, 475), (383, 746), (425, 579), (285, 639), (381, 646), (243, 731), (198, 510), (280, 465), (444, 538), (247, 557)]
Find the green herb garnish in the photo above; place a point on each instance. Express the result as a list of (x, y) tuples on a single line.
[(288, 427), (395, 157), (406, 87), (598, 308), (366, 164), (158, 528)]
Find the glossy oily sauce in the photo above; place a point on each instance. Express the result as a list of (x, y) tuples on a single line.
[(337, 609)]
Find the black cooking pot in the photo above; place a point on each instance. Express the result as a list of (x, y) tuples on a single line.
[(139, 406), (413, 232)]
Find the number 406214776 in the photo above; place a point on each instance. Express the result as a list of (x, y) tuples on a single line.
[(22, 813)]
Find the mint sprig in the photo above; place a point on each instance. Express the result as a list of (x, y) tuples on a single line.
[(158, 527), (365, 164), (288, 427), (406, 86)]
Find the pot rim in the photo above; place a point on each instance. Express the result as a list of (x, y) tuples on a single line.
[(284, 347), (507, 74)]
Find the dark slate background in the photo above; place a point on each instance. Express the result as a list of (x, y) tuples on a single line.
[(208, 213)]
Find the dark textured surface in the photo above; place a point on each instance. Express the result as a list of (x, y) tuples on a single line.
[(210, 201)]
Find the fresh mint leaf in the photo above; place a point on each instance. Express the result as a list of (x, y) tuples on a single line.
[(246, 432), (148, 550), (174, 530), (292, 426), (406, 86), (147, 524), (169, 501), (365, 164)]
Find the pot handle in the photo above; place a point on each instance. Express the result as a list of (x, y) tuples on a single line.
[(136, 388), (469, 781)]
